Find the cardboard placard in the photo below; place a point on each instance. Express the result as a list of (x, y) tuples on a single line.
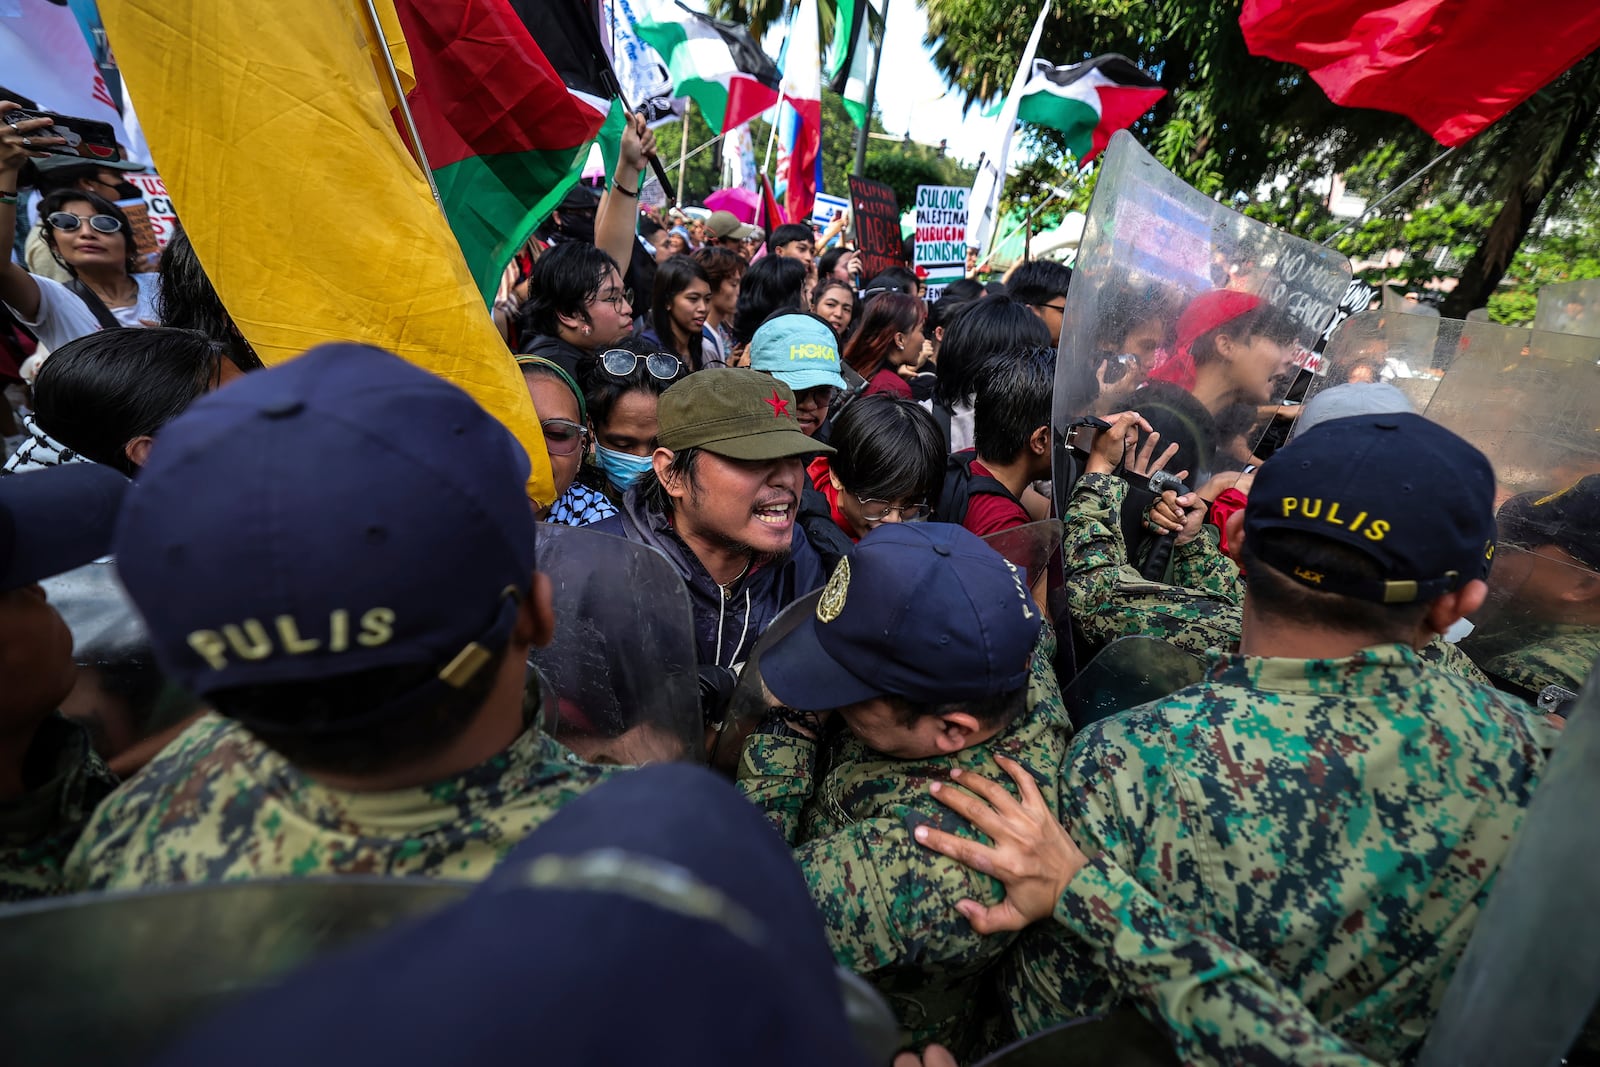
[(163, 219), (876, 216), (940, 248)]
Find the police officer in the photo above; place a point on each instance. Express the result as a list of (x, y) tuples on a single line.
[(338, 553), (50, 778), (930, 650), (1325, 811)]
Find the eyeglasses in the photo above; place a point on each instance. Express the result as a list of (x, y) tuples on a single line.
[(563, 437), (66, 222), (622, 301), (662, 365), (1060, 308), (875, 511)]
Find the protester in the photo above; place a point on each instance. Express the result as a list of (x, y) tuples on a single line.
[(725, 271), (188, 301), (841, 264), (1348, 571), (674, 242), (800, 351), (621, 390), (926, 655), (1230, 348), (678, 312), (975, 333), (888, 466), (835, 302), (369, 700), (105, 396), (984, 488), (722, 502), (50, 778), (53, 173), (724, 229), (1042, 286), (940, 312), (564, 421), (663, 870), (1134, 326), (793, 241), (889, 338), (772, 284), (576, 304), (87, 235)]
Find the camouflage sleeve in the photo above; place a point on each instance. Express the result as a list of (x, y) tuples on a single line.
[(777, 774), (1217, 1003), (887, 901), (1450, 657), (1200, 564), (1096, 559)]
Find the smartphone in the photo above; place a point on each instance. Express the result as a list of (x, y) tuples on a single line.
[(85, 138)]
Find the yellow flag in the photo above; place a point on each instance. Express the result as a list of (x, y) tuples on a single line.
[(271, 129)]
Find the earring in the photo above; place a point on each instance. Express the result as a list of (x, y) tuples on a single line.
[(586, 330)]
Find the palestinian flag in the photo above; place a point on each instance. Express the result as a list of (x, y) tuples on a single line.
[(1088, 101), (716, 64), (857, 34), (505, 133)]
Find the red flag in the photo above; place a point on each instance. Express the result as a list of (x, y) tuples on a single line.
[(771, 215), (1451, 66)]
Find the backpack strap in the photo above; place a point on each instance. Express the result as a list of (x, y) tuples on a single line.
[(96, 306)]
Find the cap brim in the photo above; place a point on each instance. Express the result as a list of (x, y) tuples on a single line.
[(59, 162), (774, 444), (742, 232), (64, 517), (801, 380), (803, 676)]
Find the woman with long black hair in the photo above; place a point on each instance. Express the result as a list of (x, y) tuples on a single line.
[(890, 337), (678, 310)]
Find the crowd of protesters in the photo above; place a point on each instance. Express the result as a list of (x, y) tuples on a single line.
[(339, 583)]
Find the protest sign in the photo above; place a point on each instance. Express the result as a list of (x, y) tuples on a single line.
[(876, 215), (163, 219), (940, 247)]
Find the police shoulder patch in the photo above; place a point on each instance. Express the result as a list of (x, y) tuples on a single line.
[(831, 603)]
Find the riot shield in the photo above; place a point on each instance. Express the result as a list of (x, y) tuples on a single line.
[(1122, 1039), (105, 626), (1530, 975), (622, 663), (1187, 312), (1569, 307), (1126, 673), (1410, 352), (1530, 401), (107, 980)]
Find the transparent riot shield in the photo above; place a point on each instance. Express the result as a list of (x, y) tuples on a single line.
[(1530, 976), (1569, 307), (1530, 401), (1410, 352), (103, 980), (105, 626), (1121, 1039), (1189, 313), (108, 980), (1128, 672), (622, 664), (1029, 548)]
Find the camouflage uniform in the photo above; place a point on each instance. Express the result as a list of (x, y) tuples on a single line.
[(1340, 822), (1540, 656), (1110, 599), (889, 903), (39, 828), (219, 805)]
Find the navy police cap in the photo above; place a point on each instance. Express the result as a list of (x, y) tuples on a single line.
[(341, 512), (1407, 493), (926, 612)]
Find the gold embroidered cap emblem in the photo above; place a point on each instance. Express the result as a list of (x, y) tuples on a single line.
[(831, 602)]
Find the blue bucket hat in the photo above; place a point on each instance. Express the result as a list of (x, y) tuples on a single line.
[(799, 350)]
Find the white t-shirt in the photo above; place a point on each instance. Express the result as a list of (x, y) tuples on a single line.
[(63, 317)]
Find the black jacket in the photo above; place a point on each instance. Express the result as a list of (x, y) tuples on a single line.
[(555, 350), (726, 626)]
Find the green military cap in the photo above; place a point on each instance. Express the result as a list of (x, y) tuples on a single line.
[(736, 413)]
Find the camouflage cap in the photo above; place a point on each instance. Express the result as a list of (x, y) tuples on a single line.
[(736, 413)]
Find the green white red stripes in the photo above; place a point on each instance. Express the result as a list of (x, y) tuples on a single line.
[(716, 64), (1088, 101)]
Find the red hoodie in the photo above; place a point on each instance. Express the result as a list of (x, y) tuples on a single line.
[(822, 482)]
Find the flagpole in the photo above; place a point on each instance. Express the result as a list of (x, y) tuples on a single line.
[(1385, 198), (374, 24), (772, 134), (860, 168), (683, 148)]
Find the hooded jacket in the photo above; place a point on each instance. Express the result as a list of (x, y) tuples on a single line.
[(727, 624)]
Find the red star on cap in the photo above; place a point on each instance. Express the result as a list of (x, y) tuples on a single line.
[(780, 406)]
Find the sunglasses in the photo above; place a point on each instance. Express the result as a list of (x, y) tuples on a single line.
[(66, 222), (563, 437), (877, 510), (662, 365)]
